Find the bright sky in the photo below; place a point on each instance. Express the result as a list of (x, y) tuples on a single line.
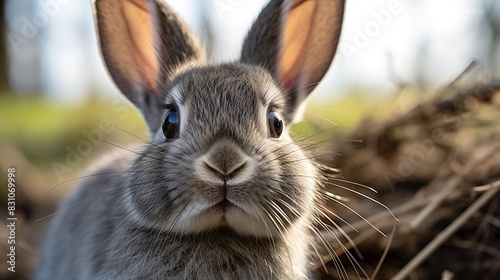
[(437, 37)]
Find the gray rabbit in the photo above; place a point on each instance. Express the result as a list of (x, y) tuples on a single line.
[(221, 191)]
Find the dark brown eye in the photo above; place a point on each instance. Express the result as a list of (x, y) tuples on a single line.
[(275, 124), (171, 125)]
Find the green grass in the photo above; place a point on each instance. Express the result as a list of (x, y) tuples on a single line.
[(42, 130)]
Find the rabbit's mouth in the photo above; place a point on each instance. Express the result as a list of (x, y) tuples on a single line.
[(224, 214), (224, 206)]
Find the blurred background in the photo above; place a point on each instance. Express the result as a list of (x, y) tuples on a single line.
[(50, 51), (54, 91)]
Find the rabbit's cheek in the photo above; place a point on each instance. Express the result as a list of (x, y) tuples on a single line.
[(299, 182)]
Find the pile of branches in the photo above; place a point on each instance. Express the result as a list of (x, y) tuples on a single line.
[(437, 168)]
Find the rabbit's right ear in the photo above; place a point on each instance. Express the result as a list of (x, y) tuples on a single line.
[(142, 43)]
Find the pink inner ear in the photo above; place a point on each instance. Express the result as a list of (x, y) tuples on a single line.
[(298, 27), (142, 37)]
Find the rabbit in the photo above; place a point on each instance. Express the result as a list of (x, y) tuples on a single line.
[(221, 191)]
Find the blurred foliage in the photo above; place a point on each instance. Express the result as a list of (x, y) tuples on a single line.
[(335, 120), (43, 130)]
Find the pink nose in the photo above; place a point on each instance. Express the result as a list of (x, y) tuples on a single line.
[(225, 175)]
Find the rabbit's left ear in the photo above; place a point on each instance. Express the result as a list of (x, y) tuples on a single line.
[(295, 40)]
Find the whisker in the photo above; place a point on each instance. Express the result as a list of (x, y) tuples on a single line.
[(355, 184), (323, 118), (331, 110), (334, 256), (181, 211), (123, 148), (88, 176), (367, 197), (72, 205), (92, 227), (359, 215), (336, 216), (140, 138), (355, 264), (162, 64), (341, 230)]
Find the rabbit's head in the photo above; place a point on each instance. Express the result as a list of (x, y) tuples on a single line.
[(220, 154)]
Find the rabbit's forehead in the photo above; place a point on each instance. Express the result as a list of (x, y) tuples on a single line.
[(234, 91)]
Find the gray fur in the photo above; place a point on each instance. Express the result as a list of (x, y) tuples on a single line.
[(156, 214)]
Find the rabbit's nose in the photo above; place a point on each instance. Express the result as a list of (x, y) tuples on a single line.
[(224, 161), (223, 174)]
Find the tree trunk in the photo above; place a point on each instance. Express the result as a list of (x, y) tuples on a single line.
[(4, 83)]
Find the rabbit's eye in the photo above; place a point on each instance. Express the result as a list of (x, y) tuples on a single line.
[(275, 124), (171, 125)]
